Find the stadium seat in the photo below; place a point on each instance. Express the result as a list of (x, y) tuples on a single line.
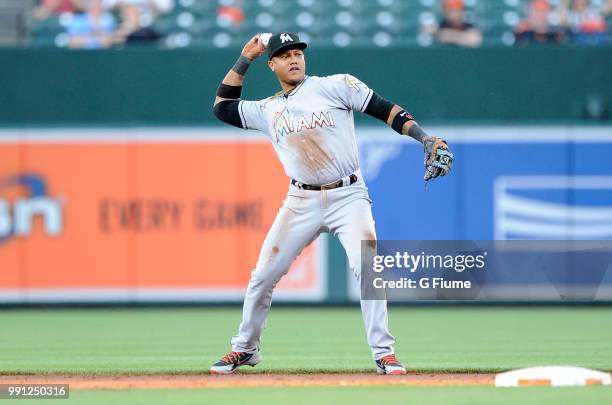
[(345, 22)]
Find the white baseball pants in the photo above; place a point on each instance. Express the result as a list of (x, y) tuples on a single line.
[(345, 212)]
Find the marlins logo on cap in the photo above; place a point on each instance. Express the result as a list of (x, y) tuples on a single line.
[(282, 41)]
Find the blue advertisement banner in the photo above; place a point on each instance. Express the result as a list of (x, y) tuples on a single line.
[(506, 184)]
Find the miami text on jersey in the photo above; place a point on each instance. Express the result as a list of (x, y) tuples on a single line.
[(285, 124)]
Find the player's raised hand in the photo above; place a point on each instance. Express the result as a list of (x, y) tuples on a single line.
[(254, 48)]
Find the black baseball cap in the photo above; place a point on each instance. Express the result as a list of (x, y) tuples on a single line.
[(284, 40)]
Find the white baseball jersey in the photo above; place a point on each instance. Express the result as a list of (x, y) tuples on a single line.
[(312, 127)]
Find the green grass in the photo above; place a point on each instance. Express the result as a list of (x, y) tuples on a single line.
[(352, 395), (189, 340)]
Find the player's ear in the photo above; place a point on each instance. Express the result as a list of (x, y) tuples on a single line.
[(271, 65)]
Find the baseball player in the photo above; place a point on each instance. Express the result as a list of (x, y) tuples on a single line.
[(310, 125)]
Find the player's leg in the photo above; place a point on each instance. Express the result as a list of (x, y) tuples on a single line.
[(352, 222), (293, 229), (289, 234)]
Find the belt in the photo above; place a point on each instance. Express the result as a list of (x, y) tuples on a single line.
[(351, 179)]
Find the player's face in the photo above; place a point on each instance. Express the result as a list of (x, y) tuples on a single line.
[(289, 66)]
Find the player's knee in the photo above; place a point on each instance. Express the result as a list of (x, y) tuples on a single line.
[(262, 280), (355, 265), (256, 280), (363, 256), (356, 272)]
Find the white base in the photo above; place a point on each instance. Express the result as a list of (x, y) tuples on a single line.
[(556, 376)]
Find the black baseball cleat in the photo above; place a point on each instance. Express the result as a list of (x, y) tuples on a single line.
[(231, 361), (390, 365)]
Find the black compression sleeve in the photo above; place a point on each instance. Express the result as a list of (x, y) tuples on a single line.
[(227, 111), (417, 132), (227, 91), (379, 107)]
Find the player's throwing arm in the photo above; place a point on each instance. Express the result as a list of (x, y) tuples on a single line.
[(230, 89)]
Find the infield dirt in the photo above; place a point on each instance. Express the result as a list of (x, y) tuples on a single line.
[(131, 381)]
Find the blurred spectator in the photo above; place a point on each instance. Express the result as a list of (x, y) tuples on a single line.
[(607, 8), (584, 22), (94, 28), (48, 8), (230, 13), (138, 16), (536, 28), (454, 29)]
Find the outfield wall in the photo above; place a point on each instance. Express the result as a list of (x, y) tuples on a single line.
[(178, 215), (442, 84)]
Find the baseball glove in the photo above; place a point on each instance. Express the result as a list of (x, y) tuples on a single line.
[(438, 158)]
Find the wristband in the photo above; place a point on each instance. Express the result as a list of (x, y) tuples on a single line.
[(400, 119), (242, 65)]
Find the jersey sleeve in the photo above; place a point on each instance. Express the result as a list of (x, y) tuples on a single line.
[(350, 91), (252, 115)]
